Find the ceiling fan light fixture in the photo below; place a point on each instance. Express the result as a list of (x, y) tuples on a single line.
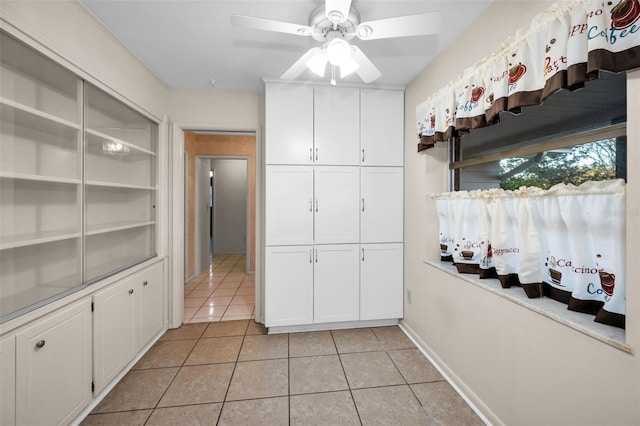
[(348, 67), (318, 63), (335, 16), (338, 51)]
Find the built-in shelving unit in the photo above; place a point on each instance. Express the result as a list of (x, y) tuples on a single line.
[(77, 181)]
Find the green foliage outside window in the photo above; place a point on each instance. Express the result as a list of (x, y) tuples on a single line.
[(578, 164)]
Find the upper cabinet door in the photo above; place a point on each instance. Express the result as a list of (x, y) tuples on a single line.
[(381, 219), (289, 207), (336, 131), (382, 123), (337, 204), (289, 124)]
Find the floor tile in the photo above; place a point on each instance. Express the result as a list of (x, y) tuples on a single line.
[(264, 347), (370, 369), (316, 374), (192, 415), (269, 411), (201, 293), (259, 379), (393, 338), (393, 405), (224, 292), (243, 300), (198, 384), (209, 311), (226, 317), (167, 353), (215, 350), (139, 389), (205, 320), (218, 301), (443, 406), (185, 331), (413, 366), (324, 409), (256, 328), (224, 329), (246, 291), (194, 302), (129, 418), (311, 343), (234, 310), (206, 285), (356, 340), (189, 312), (229, 284)]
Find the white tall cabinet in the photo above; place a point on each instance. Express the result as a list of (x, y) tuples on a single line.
[(78, 262), (333, 204)]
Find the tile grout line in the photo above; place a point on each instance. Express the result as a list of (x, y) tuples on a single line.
[(335, 345)]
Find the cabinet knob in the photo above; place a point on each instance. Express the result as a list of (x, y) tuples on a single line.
[(131, 291), (144, 283), (40, 344)]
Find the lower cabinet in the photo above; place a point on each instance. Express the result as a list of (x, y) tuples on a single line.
[(127, 316), (8, 380), (288, 294), (381, 282), (332, 283), (53, 367)]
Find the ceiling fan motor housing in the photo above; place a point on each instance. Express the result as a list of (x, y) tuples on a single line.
[(325, 30)]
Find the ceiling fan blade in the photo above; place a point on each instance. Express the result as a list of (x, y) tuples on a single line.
[(252, 23), (367, 71), (401, 26), (337, 11), (300, 65)]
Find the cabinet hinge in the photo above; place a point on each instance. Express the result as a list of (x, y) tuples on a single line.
[(93, 386)]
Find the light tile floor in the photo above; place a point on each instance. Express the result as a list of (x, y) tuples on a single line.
[(221, 292), (233, 373)]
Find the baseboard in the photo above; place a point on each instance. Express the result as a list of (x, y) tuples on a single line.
[(476, 404), (331, 326)]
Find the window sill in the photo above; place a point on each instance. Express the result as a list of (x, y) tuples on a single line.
[(550, 308)]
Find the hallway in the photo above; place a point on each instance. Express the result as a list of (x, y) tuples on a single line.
[(221, 292)]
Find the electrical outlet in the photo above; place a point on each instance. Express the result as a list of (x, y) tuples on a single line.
[(409, 296)]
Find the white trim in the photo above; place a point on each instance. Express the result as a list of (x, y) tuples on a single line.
[(465, 393), (332, 326)]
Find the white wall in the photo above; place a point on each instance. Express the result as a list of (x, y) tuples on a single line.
[(517, 367), (229, 205)]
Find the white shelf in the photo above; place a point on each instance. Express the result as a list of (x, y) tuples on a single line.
[(38, 178), (116, 226), (24, 240), (118, 185), (29, 117), (98, 137), (11, 305), (96, 272)]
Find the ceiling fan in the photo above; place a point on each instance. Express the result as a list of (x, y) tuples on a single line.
[(334, 24)]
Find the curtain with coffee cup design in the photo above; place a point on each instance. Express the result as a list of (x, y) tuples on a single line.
[(566, 243), (564, 47)]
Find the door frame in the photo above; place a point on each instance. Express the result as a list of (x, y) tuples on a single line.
[(177, 220)]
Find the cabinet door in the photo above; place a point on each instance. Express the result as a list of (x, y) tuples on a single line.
[(53, 374), (336, 283), (115, 330), (288, 285), (381, 282), (381, 219), (289, 124), (151, 284), (336, 129), (289, 205), (337, 205), (382, 124), (8, 381)]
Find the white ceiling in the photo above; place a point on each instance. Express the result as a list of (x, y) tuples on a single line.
[(189, 43)]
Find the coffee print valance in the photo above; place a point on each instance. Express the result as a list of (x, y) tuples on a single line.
[(564, 47)]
